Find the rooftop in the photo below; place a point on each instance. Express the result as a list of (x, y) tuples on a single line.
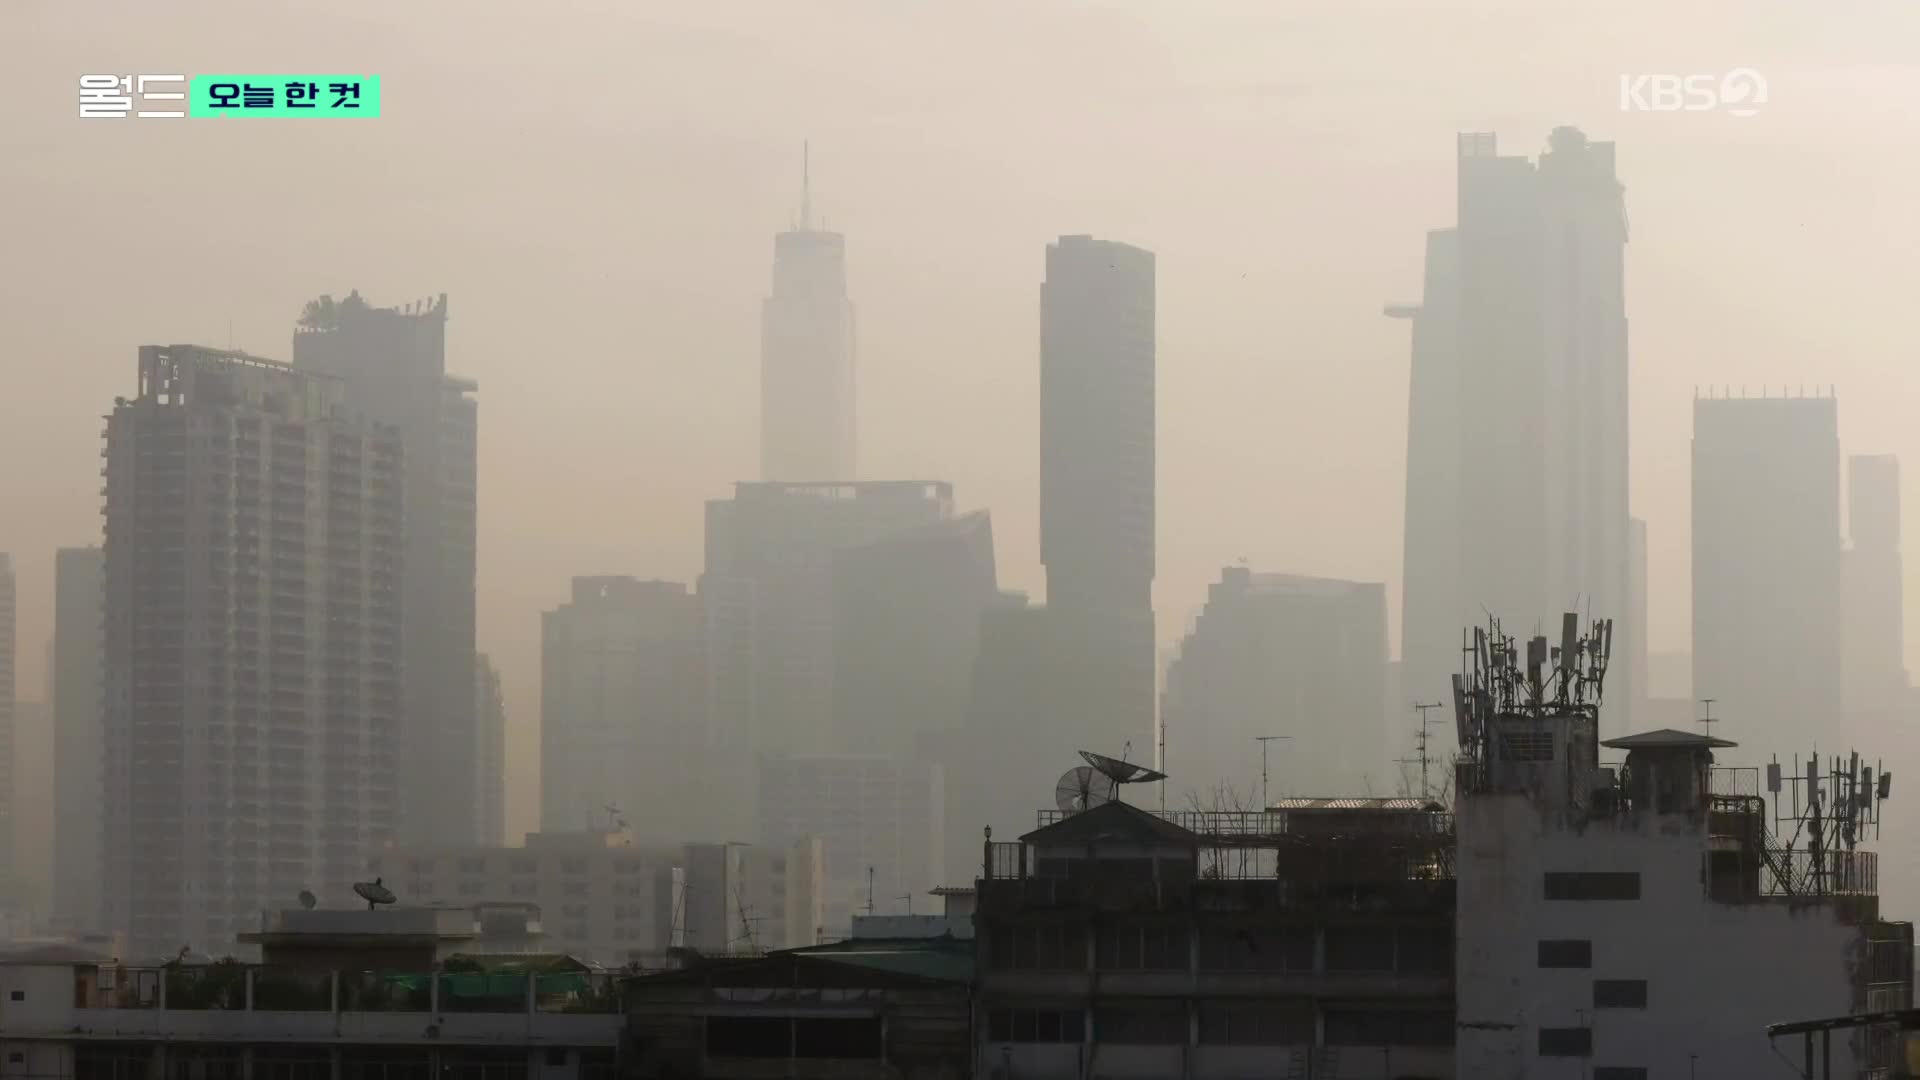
[(1666, 738)]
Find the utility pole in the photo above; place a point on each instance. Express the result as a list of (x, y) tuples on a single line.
[(1263, 740), (869, 890), (1421, 738)]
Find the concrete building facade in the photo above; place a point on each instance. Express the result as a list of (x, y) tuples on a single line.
[(79, 575), (1766, 565), (1873, 631), (9, 701), (253, 644), (622, 690), (393, 362)]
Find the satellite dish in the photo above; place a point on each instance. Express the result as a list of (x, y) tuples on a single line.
[(373, 893), (1082, 788), (308, 900), (1122, 772)]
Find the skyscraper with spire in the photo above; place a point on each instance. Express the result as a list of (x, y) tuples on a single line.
[(806, 354)]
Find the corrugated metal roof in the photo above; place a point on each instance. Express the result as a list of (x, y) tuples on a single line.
[(1349, 802)]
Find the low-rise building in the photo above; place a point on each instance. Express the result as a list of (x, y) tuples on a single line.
[(606, 899), (341, 995), (1312, 941), (869, 1009)]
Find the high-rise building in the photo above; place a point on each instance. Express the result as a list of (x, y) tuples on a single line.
[(1429, 624), (1766, 565), (1517, 435), (906, 630), (879, 821), (491, 762), (1280, 655), (806, 356), (768, 597), (1873, 631), (253, 645), (621, 689), (394, 364), (1097, 477), (9, 870), (78, 607)]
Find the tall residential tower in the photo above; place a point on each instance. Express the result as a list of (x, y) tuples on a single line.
[(394, 364), (78, 576), (253, 645)]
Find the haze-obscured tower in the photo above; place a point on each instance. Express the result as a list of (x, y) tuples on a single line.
[(1874, 632), (394, 363), (1279, 654), (1766, 565), (806, 355), (79, 574), (1097, 480), (491, 704), (253, 647), (621, 689), (1520, 376)]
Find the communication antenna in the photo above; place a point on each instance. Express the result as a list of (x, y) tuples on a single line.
[(1263, 740), (308, 900), (747, 918), (1706, 718), (614, 820), (1420, 738), (374, 893), (869, 890), (1081, 788), (1121, 771)]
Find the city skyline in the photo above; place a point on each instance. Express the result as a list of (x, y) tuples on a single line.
[(1251, 394)]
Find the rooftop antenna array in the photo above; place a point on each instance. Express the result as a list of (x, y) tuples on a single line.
[(1827, 807), (1562, 680), (1121, 771)]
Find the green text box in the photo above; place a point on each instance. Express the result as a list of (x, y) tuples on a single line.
[(269, 95)]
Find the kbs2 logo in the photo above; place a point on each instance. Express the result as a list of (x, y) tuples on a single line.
[(1739, 92)]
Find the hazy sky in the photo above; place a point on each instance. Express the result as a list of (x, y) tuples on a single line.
[(596, 184)]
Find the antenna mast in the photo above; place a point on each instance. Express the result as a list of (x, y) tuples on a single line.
[(806, 186), (1420, 738)]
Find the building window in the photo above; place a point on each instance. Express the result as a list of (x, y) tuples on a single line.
[(1594, 885), (1249, 949), (1036, 1025), (1141, 947), (1039, 947), (1566, 954), (473, 866), (556, 1056), (1619, 993), (575, 888), (472, 888), (18, 995), (16, 1058), (525, 888), (573, 866), (1425, 950), (1526, 746), (1142, 1024), (1619, 1072), (1566, 1042), (1239, 1023), (1388, 1027), (525, 866)]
